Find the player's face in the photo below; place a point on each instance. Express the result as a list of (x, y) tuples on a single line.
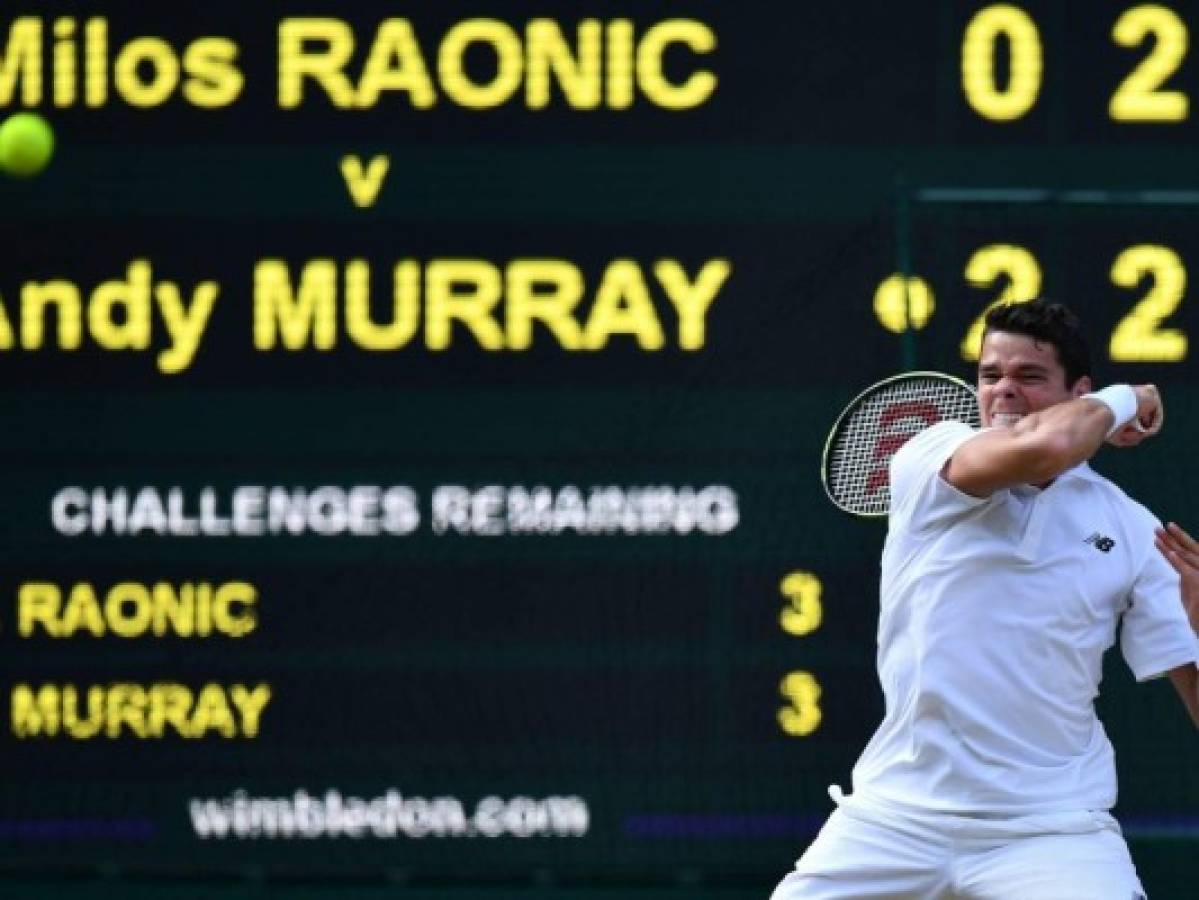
[(1018, 375)]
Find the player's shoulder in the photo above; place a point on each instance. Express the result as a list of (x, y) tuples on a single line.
[(920, 497), (1117, 498), (926, 453), (934, 440)]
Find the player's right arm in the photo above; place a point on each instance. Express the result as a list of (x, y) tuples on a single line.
[(1044, 444)]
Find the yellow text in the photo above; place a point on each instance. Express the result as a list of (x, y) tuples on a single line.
[(130, 609), (602, 64), (65, 65), (143, 712), (117, 315), (496, 308)]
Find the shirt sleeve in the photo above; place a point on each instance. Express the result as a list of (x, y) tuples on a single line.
[(1156, 636), (920, 497)]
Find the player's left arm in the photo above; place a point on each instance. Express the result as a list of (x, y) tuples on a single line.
[(1186, 681), (1182, 552)]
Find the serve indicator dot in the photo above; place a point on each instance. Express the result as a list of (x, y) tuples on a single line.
[(901, 303)]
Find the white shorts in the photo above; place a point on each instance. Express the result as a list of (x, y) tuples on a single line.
[(875, 853)]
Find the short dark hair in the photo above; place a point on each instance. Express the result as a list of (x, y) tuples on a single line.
[(1050, 322)]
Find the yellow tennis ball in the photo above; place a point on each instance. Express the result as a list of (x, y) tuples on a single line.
[(26, 144)]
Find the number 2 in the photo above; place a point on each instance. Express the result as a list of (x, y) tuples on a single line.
[(1139, 336), (985, 267), (1139, 98)]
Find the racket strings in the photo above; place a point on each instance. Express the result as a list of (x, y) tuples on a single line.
[(885, 420)]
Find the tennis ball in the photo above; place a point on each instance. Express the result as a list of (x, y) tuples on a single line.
[(26, 144)]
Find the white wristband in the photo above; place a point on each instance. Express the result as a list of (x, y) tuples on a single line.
[(1121, 399)]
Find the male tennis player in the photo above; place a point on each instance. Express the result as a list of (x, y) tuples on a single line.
[(1008, 567)]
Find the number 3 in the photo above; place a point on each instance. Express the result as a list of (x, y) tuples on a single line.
[(803, 716), (803, 611)]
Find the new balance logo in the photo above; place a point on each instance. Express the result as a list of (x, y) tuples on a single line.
[(1100, 542)]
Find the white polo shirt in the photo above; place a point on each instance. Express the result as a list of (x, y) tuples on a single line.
[(995, 615)]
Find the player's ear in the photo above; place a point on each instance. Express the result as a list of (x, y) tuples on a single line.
[(1082, 386)]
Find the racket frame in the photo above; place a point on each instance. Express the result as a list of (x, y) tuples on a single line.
[(853, 407)]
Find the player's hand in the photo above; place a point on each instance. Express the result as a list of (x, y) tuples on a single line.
[(1146, 423), (1182, 552)]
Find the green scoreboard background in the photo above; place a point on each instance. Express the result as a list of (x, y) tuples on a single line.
[(412, 412)]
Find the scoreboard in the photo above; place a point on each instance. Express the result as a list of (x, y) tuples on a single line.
[(413, 411)]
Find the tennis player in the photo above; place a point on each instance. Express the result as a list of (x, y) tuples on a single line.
[(1008, 569)]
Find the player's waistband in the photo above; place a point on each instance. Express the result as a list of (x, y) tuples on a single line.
[(872, 808)]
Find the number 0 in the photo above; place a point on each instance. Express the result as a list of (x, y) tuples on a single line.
[(979, 48)]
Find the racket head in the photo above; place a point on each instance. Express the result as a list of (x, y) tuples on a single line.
[(855, 468)]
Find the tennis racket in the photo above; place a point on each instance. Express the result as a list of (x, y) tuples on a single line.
[(857, 456)]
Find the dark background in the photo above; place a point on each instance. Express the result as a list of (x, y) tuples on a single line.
[(638, 672)]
